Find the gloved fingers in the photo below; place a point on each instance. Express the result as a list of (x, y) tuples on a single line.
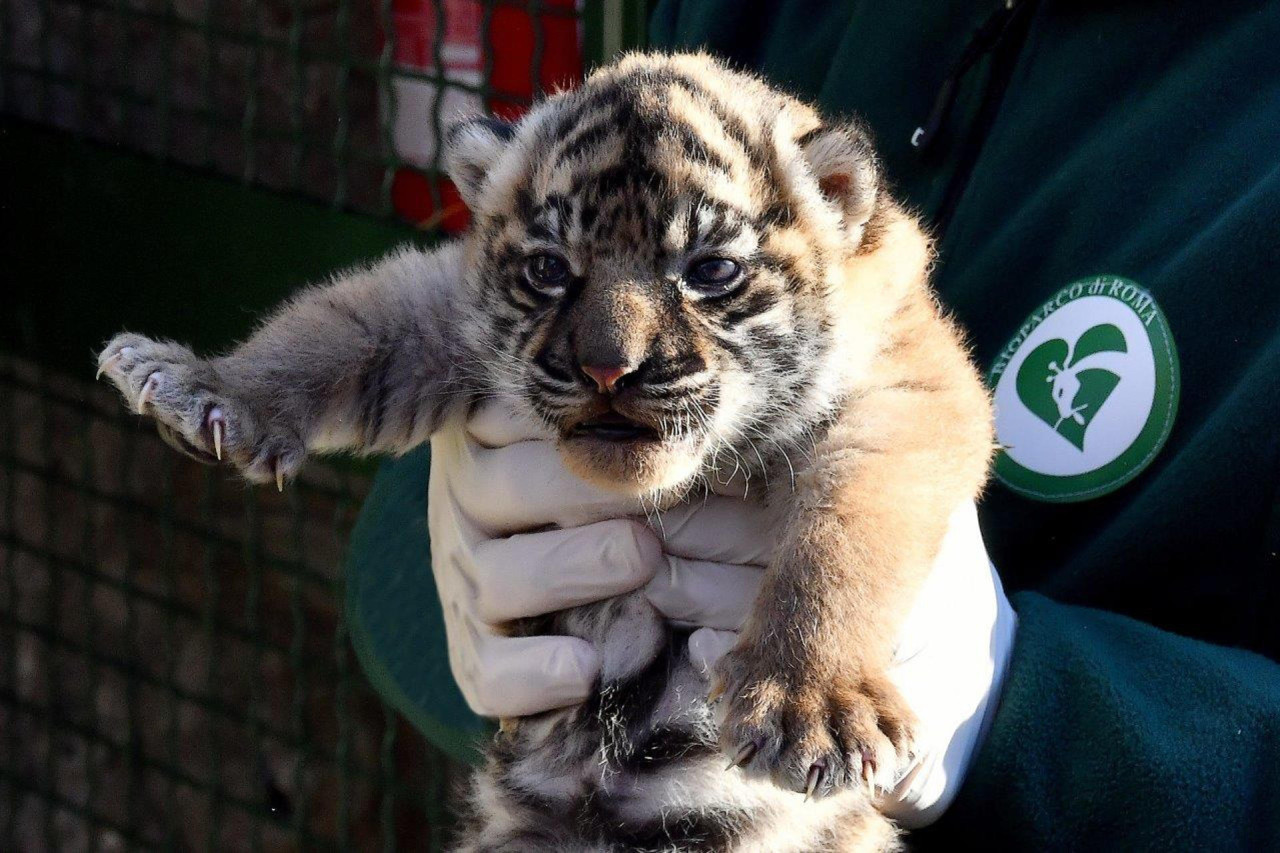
[(721, 529), (708, 645), (518, 676), (497, 423), (534, 573), (525, 486), (704, 594)]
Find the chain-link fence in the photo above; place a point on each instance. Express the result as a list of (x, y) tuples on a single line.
[(339, 100), (175, 671)]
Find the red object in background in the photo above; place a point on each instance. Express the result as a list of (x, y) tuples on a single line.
[(511, 32), (412, 199), (512, 39)]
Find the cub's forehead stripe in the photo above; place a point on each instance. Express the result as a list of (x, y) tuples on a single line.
[(664, 117), (588, 134)]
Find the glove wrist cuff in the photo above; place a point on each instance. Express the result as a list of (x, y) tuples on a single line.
[(929, 787)]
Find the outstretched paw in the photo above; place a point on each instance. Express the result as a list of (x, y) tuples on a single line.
[(194, 410), (811, 730)]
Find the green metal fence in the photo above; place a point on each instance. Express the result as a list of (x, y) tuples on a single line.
[(175, 671), (300, 95)]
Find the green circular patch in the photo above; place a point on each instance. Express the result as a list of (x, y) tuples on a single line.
[(1086, 392)]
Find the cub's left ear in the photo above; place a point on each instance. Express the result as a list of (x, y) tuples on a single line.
[(470, 150), (844, 162)]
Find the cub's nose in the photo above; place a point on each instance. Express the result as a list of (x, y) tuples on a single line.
[(606, 377)]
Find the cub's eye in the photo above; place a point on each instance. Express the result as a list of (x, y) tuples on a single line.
[(547, 270), (714, 275)]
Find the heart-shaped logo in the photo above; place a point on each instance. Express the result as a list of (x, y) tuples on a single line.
[(1065, 384), (1085, 392)]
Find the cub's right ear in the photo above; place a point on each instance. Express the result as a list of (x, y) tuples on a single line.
[(470, 150), (844, 163)]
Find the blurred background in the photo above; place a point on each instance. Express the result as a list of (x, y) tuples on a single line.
[(175, 668)]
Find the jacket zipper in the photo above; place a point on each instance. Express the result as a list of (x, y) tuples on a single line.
[(1001, 36)]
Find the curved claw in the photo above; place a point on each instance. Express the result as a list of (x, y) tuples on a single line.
[(107, 364), (813, 779), (275, 465), (216, 425), (144, 396), (744, 755), (869, 772), (110, 363)]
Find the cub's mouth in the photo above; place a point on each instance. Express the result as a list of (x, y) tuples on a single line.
[(614, 427), (626, 454)]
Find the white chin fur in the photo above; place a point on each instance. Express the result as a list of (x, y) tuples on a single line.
[(654, 471)]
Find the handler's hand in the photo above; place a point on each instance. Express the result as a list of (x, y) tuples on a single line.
[(949, 663), (495, 479)]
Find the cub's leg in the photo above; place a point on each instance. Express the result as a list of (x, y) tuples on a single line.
[(367, 363), (806, 699)]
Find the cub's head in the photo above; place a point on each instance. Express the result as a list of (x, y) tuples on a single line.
[(660, 263)]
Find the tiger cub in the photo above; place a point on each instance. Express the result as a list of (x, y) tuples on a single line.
[(673, 266)]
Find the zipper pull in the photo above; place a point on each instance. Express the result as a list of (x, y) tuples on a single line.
[(985, 39)]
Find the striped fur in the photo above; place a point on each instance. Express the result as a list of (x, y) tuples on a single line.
[(652, 162), (819, 377), (638, 767)]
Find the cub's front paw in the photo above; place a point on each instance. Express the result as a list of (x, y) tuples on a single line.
[(193, 409), (813, 729)]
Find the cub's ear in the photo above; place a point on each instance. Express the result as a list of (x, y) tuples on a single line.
[(470, 150), (841, 157)]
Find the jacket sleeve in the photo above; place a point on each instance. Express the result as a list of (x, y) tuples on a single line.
[(392, 611), (1110, 731)]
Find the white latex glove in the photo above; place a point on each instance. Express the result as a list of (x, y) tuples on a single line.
[(949, 663), (496, 479)]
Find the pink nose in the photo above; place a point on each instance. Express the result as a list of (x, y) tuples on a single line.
[(606, 378)]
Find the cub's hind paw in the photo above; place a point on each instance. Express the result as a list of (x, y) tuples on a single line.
[(194, 410), (813, 733)]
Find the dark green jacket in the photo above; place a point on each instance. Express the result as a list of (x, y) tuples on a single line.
[(1115, 145), (1137, 140)]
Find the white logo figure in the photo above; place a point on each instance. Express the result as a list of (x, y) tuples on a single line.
[(1066, 382)]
